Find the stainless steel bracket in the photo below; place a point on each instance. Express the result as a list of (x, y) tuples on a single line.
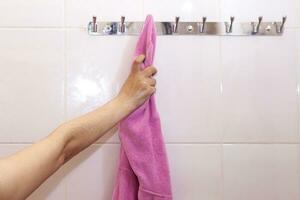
[(203, 28)]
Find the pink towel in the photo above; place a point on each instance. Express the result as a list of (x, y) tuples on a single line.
[(143, 172)]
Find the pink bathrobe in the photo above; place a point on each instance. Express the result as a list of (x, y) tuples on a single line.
[(143, 172)]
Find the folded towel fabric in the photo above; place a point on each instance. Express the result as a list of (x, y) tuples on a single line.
[(143, 172)]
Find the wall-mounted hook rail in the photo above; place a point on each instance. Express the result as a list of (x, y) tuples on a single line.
[(203, 27)]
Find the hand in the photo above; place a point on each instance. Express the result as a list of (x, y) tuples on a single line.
[(140, 84)]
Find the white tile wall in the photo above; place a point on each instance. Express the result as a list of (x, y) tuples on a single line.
[(92, 173), (31, 83), (195, 171), (93, 76), (261, 171), (188, 10), (271, 10), (34, 13), (198, 175), (260, 89), (80, 12), (188, 89), (229, 106)]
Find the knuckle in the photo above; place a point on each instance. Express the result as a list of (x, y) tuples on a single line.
[(135, 62), (154, 70), (152, 90), (144, 86)]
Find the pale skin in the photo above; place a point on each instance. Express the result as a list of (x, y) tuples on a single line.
[(23, 172)]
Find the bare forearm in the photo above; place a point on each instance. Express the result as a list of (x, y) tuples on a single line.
[(85, 130), (81, 132), (23, 172), (26, 170), (39, 161)]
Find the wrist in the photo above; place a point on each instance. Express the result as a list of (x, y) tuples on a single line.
[(126, 103)]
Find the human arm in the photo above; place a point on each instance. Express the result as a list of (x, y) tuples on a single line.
[(25, 171)]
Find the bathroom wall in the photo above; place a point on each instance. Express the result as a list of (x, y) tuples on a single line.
[(229, 105)]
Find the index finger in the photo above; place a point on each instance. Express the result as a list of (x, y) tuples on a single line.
[(137, 61), (150, 71)]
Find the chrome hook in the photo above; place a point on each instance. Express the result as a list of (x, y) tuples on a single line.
[(257, 27), (229, 26), (122, 24), (280, 28), (94, 24), (175, 26), (202, 28)]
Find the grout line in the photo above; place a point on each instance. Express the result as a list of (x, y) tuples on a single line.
[(222, 171), (41, 28), (298, 103), (65, 84), (178, 143), (220, 104), (299, 167), (65, 75), (80, 27), (32, 27), (298, 84)]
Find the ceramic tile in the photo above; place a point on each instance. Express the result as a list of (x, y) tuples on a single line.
[(31, 84), (97, 68), (261, 172), (297, 42), (32, 13), (195, 171), (80, 12), (104, 76), (52, 189), (260, 89), (271, 10), (188, 88), (99, 166), (188, 10), (297, 7), (199, 168)]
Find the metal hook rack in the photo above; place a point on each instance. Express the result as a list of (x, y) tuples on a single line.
[(204, 27)]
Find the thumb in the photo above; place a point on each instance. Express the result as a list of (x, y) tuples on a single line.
[(137, 61)]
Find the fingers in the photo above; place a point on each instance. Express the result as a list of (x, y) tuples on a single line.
[(137, 62), (152, 90), (149, 71), (151, 82)]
